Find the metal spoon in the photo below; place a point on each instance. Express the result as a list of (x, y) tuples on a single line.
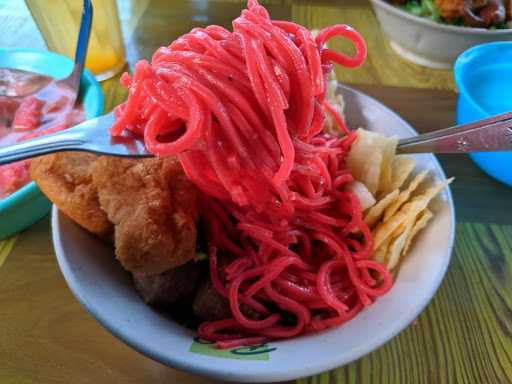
[(492, 134), (488, 135), (73, 80)]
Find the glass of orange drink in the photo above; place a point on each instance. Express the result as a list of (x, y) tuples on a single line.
[(59, 21)]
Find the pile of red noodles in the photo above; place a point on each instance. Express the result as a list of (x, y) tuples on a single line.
[(244, 112)]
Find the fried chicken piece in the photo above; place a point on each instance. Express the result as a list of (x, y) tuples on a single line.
[(154, 208), (450, 9), (65, 178)]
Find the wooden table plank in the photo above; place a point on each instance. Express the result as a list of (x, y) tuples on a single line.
[(6, 247)]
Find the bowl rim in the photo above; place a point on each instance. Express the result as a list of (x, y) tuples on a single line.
[(465, 59), (31, 189), (301, 370), (446, 27)]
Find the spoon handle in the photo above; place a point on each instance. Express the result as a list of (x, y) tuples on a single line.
[(488, 135), (84, 33), (73, 80)]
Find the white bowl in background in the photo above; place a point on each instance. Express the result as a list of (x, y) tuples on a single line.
[(106, 291), (426, 42)]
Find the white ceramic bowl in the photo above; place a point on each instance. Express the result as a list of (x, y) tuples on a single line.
[(106, 291), (426, 42)]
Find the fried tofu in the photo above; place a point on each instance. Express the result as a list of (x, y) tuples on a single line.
[(65, 178), (154, 208)]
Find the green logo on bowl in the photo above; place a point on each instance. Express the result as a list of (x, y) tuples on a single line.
[(253, 352)]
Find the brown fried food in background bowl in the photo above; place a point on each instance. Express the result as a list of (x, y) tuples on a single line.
[(450, 9), (66, 179), (154, 208)]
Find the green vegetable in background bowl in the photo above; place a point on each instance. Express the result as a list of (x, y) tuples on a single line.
[(425, 8)]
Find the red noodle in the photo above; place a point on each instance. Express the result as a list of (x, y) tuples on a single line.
[(288, 246)]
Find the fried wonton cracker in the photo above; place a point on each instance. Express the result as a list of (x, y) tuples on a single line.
[(380, 253), (411, 209), (397, 245), (421, 222), (374, 213), (386, 167), (404, 195), (402, 166), (370, 159)]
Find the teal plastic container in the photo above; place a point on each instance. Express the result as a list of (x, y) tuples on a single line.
[(28, 205), (484, 78)]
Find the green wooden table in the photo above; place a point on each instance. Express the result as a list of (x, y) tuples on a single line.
[(464, 335)]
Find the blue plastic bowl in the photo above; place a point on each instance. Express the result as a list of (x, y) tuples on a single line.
[(484, 78), (27, 205)]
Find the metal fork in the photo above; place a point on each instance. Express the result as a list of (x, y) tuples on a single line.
[(72, 81), (492, 134)]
